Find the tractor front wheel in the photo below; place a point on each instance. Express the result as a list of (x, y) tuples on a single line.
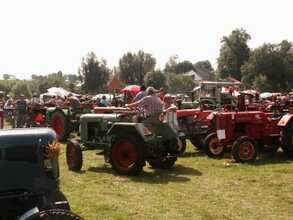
[(212, 146), (74, 157), (244, 150), (126, 156), (165, 163)]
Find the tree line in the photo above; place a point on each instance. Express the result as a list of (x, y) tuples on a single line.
[(268, 67)]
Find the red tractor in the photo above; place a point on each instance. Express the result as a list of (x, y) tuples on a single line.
[(244, 133)]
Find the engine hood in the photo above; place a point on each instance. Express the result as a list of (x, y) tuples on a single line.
[(99, 117)]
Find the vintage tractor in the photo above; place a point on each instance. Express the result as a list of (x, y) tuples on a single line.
[(244, 133), (128, 141), (64, 120), (29, 172)]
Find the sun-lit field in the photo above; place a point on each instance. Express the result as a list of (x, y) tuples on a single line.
[(196, 188)]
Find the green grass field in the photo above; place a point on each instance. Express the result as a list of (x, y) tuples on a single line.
[(195, 188)]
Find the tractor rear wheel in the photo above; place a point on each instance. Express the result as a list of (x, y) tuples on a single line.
[(212, 147), (126, 156), (60, 125), (197, 142), (74, 157), (244, 150), (165, 163)]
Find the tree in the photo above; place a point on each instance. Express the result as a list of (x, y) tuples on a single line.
[(8, 76), (156, 78), (180, 83), (183, 67), (171, 64), (94, 73), (40, 83), (72, 78), (21, 87), (234, 53), (270, 67), (134, 66), (56, 79), (204, 65)]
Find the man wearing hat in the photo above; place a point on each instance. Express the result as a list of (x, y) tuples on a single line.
[(21, 108), (151, 104), (36, 101)]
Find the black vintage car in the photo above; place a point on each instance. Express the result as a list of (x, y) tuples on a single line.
[(29, 174)]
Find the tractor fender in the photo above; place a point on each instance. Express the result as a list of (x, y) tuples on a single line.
[(50, 111), (128, 127), (31, 214), (285, 120)]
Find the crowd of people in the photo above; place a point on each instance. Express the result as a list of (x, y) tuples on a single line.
[(20, 111)]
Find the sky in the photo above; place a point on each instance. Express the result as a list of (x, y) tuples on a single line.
[(45, 36)]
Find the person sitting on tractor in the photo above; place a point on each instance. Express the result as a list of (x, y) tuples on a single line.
[(151, 104), (74, 103), (170, 112), (21, 111), (35, 102), (104, 102), (168, 104), (161, 94)]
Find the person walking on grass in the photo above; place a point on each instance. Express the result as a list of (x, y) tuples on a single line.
[(21, 108)]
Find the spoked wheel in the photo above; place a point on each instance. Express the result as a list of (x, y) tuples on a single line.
[(126, 156), (212, 147), (74, 156), (244, 150), (59, 124), (58, 214), (165, 163)]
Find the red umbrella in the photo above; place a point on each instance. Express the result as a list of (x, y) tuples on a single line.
[(132, 88)]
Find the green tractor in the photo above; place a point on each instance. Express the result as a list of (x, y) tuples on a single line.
[(29, 169), (65, 120), (128, 142)]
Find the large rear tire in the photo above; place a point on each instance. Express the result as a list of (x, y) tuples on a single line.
[(60, 125), (244, 150), (212, 147), (74, 157), (126, 156)]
